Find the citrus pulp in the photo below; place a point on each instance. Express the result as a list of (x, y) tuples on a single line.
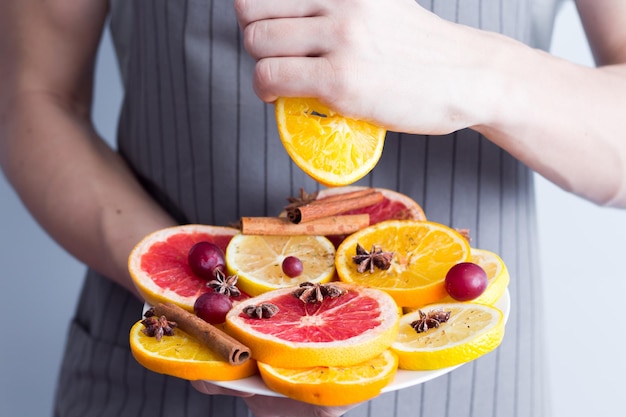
[(497, 275), (332, 149), (423, 252), (334, 385), (184, 357), (338, 331), (159, 268), (471, 331), (258, 260), (394, 206)]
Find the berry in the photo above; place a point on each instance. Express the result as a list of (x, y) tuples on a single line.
[(466, 281), (292, 266), (204, 258), (212, 307)]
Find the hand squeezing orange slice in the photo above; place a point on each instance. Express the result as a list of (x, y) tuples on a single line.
[(332, 149)]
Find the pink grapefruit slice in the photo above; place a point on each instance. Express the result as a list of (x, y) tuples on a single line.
[(159, 268), (394, 206), (341, 331)]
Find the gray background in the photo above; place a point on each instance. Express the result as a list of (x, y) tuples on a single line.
[(581, 244)]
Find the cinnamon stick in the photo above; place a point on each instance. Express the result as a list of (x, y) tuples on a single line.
[(333, 206), (326, 226), (228, 347), (342, 196)]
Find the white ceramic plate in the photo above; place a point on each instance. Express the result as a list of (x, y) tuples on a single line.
[(403, 379)]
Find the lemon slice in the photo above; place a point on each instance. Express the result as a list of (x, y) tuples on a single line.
[(257, 260), (497, 275), (497, 278), (471, 331)]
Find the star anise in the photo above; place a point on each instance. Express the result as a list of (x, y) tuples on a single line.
[(376, 258), (303, 199), (261, 311), (223, 284), (430, 320), (309, 292), (157, 326)]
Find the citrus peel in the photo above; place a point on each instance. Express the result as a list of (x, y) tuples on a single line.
[(471, 331), (334, 385), (332, 149), (341, 331), (183, 356)]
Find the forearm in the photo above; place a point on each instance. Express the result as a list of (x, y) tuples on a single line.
[(76, 187), (415, 72), (563, 120)]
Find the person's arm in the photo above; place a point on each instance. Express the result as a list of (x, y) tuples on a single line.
[(80, 190), (603, 23), (402, 67), (567, 121), (75, 186)]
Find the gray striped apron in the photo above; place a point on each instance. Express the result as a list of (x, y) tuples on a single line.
[(207, 149)]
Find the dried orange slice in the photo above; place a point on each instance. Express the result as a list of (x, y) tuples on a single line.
[(334, 385), (332, 149), (184, 357), (257, 260), (338, 331), (423, 252), (471, 331)]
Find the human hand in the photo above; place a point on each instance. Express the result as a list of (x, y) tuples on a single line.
[(208, 388), (264, 406), (392, 62)]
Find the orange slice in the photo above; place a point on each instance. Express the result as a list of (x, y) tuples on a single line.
[(184, 357), (471, 331), (332, 149), (257, 260), (335, 385), (424, 251), (342, 331)]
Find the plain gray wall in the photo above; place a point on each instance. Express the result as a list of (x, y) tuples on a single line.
[(582, 250)]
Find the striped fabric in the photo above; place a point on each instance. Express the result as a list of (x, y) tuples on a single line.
[(207, 149)]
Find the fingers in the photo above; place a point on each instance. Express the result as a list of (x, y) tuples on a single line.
[(249, 11), (212, 389), (292, 77), (291, 41), (301, 36), (262, 406)]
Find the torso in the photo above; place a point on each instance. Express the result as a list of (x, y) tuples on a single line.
[(207, 148)]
